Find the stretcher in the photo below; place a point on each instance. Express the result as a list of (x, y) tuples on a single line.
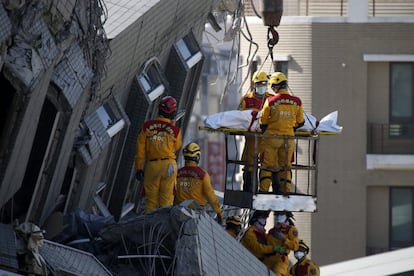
[(304, 167)]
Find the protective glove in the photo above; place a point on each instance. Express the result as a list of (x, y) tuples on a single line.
[(263, 127), (139, 175), (279, 249), (279, 236)]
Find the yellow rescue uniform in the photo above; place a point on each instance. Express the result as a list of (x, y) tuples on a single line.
[(281, 113), (157, 143), (251, 101), (305, 267), (255, 241), (194, 183), (278, 263)]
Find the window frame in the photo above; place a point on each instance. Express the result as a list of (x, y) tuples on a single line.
[(188, 50), (151, 80), (112, 110), (281, 64)]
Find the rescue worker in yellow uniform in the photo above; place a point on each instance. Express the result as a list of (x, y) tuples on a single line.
[(281, 115), (194, 183), (233, 226), (285, 234), (157, 143), (254, 239), (254, 101), (304, 266)]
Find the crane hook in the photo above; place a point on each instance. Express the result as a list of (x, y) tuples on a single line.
[(272, 39)]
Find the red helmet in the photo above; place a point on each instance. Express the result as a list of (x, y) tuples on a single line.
[(168, 105)]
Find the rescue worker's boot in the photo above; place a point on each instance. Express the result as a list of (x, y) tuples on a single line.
[(275, 182), (247, 181)]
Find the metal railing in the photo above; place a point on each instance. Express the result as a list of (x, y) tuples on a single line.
[(390, 138)]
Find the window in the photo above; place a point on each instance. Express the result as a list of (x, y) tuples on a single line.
[(401, 100), (280, 63), (112, 117), (151, 79), (189, 50), (401, 217), (281, 66), (183, 73)]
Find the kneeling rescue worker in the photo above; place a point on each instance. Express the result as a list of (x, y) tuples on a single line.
[(194, 183)]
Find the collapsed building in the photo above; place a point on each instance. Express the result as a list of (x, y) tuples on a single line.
[(75, 93)]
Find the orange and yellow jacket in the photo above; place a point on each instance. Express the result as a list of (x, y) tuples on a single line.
[(250, 102), (291, 234), (305, 267), (281, 113), (158, 139), (194, 183), (255, 241)]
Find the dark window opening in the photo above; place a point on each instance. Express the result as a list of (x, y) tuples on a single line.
[(401, 217), (67, 185), (7, 116), (281, 66), (28, 190)]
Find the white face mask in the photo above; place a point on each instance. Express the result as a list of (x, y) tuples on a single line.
[(261, 90), (281, 218), (299, 255)]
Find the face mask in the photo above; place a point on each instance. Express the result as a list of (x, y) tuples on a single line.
[(281, 218), (262, 221), (261, 90), (299, 255)]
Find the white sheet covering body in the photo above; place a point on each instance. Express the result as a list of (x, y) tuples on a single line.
[(236, 119), (248, 120)]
